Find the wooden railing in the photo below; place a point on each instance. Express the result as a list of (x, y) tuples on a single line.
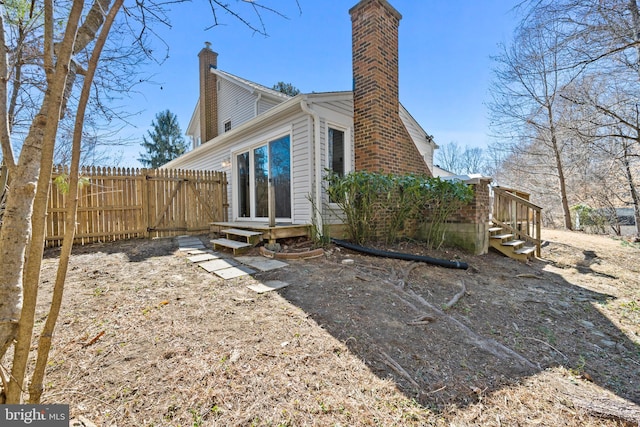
[(517, 216)]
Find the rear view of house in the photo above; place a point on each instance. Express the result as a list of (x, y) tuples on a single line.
[(260, 136)]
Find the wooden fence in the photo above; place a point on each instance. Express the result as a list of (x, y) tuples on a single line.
[(119, 203)]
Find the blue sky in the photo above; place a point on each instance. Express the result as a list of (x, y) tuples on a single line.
[(445, 66)]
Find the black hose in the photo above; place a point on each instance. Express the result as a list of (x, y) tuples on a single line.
[(399, 255)]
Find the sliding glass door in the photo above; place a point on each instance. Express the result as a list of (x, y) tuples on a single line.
[(255, 170)]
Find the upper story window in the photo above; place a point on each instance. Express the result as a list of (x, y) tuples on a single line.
[(336, 151), (227, 126)]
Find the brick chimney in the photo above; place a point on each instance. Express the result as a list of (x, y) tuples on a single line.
[(208, 94), (381, 141)]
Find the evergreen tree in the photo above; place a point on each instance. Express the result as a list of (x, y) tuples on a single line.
[(165, 141), (286, 88)]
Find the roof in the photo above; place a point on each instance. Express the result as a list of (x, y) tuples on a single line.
[(249, 85), (291, 104)]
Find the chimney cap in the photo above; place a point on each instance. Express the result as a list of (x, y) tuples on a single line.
[(383, 3)]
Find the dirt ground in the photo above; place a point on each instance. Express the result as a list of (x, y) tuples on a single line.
[(148, 339)]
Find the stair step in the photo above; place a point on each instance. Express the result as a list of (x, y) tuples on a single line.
[(513, 243), (494, 229), (239, 232), (238, 247), (502, 236), (252, 237), (526, 250)]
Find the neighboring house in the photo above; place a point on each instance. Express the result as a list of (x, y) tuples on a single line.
[(257, 135)]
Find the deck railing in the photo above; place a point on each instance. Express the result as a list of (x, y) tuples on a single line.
[(517, 216)]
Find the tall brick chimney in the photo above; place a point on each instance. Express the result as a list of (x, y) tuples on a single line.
[(382, 142), (208, 94)]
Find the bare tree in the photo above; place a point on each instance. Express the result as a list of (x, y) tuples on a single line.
[(460, 161), (529, 76), (601, 43), (82, 35)]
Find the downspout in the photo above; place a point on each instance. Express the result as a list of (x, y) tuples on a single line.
[(257, 102), (317, 154)]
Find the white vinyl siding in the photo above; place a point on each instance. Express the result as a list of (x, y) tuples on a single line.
[(267, 104), (419, 137), (334, 110), (336, 114), (301, 174), (235, 104), (300, 187)]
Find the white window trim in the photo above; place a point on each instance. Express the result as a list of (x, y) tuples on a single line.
[(347, 145), (348, 163), (250, 146)]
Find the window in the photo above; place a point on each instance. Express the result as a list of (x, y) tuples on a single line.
[(255, 169), (227, 126), (336, 160)]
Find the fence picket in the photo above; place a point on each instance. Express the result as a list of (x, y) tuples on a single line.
[(129, 203)]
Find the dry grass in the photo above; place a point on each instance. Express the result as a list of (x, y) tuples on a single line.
[(176, 346)]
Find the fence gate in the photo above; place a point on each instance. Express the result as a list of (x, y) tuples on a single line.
[(184, 201), (119, 203)]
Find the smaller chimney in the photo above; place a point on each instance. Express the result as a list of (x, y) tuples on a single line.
[(381, 141), (208, 94)]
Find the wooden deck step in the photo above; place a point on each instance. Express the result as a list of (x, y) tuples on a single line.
[(525, 251), (502, 236), (236, 246), (513, 243), (494, 229), (239, 232), (252, 237)]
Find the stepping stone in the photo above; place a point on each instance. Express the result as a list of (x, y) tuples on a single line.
[(191, 248), (202, 257), (218, 264), (270, 285), (197, 252), (261, 263), (189, 240), (230, 273)]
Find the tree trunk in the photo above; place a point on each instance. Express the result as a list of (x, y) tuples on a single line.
[(26, 215), (44, 343), (5, 138), (635, 20), (633, 189), (559, 166)]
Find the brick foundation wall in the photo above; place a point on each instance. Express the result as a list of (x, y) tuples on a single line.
[(208, 94), (381, 141), (467, 228), (478, 210)]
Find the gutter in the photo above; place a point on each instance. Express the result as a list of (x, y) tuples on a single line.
[(246, 126)]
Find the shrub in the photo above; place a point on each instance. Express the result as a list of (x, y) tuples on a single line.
[(375, 205)]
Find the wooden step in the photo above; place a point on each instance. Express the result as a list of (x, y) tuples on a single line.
[(236, 246), (525, 251), (520, 254), (494, 229), (513, 243), (253, 237), (502, 236), (239, 232)]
